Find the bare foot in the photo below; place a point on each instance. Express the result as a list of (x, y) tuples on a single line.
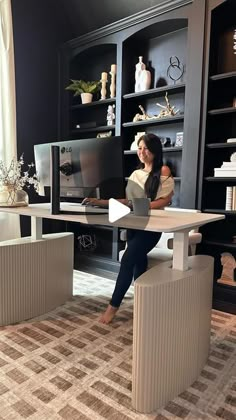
[(108, 315)]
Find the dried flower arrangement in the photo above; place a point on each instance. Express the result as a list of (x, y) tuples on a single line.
[(12, 179)]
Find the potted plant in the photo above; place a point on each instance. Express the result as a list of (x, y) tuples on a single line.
[(85, 89)]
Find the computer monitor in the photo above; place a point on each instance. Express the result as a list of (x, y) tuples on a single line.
[(88, 168)]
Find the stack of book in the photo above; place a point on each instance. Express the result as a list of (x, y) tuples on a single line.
[(227, 169), (230, 202)]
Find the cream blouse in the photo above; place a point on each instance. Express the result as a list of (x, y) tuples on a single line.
[(136, 182)]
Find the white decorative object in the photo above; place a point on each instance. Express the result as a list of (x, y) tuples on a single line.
[(179, 139), (113, 81), (142, 77), (104, 82), (134, 145), (229, 264), (111, 115)]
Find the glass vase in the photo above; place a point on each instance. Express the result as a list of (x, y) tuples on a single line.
[(13, 198)]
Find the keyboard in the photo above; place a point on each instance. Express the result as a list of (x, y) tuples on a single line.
[(75, 208)]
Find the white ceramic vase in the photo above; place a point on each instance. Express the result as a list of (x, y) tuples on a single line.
[(142, 77)]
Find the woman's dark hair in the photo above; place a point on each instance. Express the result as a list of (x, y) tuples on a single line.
[(153, 143)]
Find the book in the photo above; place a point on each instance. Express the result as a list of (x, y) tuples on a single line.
[(228, 165), (233, 140), (228, 200), (234, 198), (223, 172)]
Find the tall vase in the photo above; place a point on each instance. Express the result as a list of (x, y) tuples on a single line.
[(142, 76), (140, 66), (145, 80), (9, 197)]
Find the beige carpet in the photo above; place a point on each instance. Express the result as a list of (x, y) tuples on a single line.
[(65, 365)]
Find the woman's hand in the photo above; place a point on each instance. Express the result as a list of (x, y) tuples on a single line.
[(95, 202)]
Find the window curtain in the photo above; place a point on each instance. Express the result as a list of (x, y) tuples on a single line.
[(9, 224)]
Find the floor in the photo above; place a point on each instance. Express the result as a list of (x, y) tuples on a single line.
[(66, 365)]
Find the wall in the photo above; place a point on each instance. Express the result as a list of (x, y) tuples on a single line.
[(40, 26)]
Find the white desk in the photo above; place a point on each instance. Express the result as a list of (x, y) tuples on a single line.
[(172, 302)]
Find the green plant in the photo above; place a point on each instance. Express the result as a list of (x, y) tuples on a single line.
[(80, 86)]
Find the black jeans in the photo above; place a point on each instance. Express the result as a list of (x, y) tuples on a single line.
[(134, 261)]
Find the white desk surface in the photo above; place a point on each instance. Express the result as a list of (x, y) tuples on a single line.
[(158, 221)]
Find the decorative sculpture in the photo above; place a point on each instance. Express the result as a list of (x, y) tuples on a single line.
[(104, 134), (113, 81), (229, 264), (87, 242), (103, 82), (167, 111), (111, 115), (175, 70), (142, 77)]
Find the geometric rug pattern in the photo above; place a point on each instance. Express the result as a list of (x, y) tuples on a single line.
[(66, 365)]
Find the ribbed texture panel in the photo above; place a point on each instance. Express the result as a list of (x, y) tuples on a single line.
[(171, 331), (30, 271)]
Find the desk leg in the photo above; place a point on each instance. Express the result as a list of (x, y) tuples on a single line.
[(171, 337), (36, 228), (180, 250)]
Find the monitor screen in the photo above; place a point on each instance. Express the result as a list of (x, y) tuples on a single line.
[(88, 168)]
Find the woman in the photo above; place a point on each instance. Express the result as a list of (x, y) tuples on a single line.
[(152, 180)]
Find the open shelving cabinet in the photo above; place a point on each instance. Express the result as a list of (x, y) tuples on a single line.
[(172, 28), (218, 125)]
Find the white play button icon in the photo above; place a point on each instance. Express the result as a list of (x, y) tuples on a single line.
[(117, 210)]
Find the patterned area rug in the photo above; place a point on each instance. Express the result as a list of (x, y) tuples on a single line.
[(66, 365)]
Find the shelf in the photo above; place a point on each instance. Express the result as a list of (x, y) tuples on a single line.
[(228, 110), (94, 104), (93, 129), (222, 76), (180, 87), (220, 211), (220, 145), (164, 149), (219, 243), (220, 179), (165, 120)]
